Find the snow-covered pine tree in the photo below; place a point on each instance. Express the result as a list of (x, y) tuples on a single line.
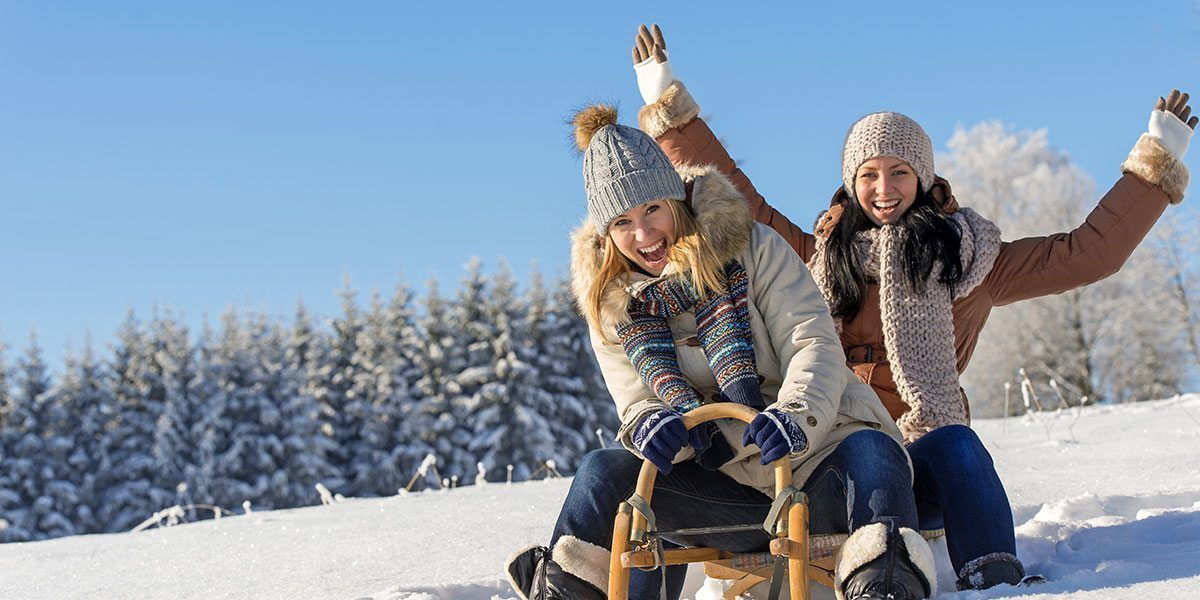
[(405, 346), (10, 496), (127, 473), (333, 382), (5, 396), (210, 400), (374, 470), (569, 343), (547, 344), (183, 398), (471, 338), (75, 428), (240, 454), (508, 414), (306, 445), (428, 427), (275, 487), (36, 457)]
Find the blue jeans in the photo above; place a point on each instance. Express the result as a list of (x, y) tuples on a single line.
[(865, 480), (956, 487)]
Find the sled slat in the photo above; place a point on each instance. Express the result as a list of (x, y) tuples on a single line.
[(646, 558)]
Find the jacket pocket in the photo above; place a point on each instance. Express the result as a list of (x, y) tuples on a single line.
[(856, 406)]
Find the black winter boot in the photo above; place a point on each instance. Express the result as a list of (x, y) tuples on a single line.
[(535, 577), (881, 562), (991, 570)]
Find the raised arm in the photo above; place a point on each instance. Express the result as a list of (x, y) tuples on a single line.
[(1153, 176), (672, 117)]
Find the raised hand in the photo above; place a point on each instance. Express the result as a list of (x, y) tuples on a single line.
[(1175, 103), (649, 43), (654, 77)]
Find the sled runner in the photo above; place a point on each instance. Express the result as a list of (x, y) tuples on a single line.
[(636, 543)]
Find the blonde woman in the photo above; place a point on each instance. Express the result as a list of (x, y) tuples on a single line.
[(690, 302)]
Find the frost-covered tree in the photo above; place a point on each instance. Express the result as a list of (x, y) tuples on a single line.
[(48, 449), (1140, 335), (183, 395), (242, 453), (406, 346), (5, 396), (127, 472), (10, 496), (332, 383), (1177, 247), (471, 338), (75, 429), (508, 415), (552, 345), (306, 444), (1027, 188), (383, 381), (427, 427), (1083, 339), (572, 356), (36, 454)]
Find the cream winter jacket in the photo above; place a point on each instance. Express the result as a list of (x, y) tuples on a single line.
[(800, 359)]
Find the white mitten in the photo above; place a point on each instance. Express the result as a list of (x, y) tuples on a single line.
[(653, 78), (1164, 125)]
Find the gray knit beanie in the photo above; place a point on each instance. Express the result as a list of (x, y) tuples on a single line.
[(622, 166), (887, 134)]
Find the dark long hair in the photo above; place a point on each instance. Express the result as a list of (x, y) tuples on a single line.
[(932, 237)]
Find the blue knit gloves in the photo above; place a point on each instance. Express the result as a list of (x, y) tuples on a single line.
[(775, 434), (659, 437)]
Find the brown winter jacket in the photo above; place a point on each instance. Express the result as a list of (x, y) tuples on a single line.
[(1025, 268)]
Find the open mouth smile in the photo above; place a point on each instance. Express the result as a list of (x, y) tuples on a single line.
[(655, 255)]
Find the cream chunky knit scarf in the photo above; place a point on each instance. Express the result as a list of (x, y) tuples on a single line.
[(918, 329)]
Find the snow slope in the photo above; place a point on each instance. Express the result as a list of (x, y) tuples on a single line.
[(1107, 506)]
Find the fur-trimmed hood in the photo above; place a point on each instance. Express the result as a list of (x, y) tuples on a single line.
[(722, 217)]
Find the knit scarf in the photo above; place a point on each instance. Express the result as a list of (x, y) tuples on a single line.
[(723, 329), (918, 329)]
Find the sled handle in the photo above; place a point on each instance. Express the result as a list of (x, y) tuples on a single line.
[(692, 418)]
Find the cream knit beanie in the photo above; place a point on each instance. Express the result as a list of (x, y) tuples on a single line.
[(887, 134)]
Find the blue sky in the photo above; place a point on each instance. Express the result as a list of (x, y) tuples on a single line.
[(206, 155)]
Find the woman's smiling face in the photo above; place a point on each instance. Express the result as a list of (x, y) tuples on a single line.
[(886, 188), (644, 233)]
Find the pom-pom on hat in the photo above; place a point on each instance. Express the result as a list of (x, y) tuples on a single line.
[(887, 134), (622, 166)]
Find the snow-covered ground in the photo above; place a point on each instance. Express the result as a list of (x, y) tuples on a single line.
[(1107, 505)]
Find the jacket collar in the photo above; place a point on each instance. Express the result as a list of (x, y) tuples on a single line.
[(723, 219)]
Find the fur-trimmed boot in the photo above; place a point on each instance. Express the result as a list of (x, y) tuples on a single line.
[(535, 576), (880, 561), (994, 569)]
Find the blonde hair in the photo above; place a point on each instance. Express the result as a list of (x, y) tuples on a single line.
[(692, 256)]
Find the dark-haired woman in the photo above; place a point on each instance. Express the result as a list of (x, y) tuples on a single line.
[(910, 278)]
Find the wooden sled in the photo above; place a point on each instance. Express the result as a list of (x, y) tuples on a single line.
[(807, 558)]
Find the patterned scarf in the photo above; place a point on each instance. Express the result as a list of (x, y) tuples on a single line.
[(918, 329), (723, 328)]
